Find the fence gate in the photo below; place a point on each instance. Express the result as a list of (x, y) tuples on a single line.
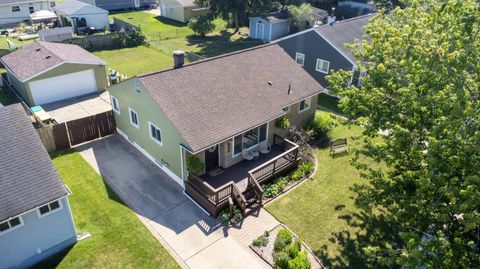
[(90, 128), (60, 135)]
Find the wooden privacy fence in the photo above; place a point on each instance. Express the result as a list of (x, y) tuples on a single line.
[(66, 135)]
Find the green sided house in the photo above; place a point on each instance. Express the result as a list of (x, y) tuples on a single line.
[(223, 111), (45, 72)]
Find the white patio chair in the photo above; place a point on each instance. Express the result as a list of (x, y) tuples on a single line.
[(265, 147), (247, 155)]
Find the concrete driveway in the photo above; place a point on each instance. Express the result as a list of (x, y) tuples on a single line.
[(195, 239)]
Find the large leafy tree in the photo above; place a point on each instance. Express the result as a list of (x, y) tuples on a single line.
[(420, 105)]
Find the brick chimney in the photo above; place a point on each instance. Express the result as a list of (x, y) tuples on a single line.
[(178, 58)]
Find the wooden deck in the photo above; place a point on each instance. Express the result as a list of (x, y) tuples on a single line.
[(238, 173)]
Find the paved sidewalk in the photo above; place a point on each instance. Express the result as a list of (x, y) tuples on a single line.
[(194, 239)]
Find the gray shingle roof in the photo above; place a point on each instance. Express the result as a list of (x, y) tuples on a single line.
[(274, 17), (215, 99), (41, 56), (345, 32), (28, 178), (73, 7)]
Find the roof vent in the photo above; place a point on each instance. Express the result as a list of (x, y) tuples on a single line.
[(270, 82), (38, 49), (290, 91), (48, 57)]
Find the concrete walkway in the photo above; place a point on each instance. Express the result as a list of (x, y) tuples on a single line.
[(194, 239)]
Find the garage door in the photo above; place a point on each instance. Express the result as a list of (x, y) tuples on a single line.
[(63, 87)]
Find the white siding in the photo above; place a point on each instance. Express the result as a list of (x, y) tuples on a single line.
[(23, 243), (9, 17)]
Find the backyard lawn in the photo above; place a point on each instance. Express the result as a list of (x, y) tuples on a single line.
[(4, 45), (329, 102), (119, 239), (320, 209), (135, 61)]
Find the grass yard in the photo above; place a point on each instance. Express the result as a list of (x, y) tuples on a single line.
[(320, 209), (119, 239), (4, 45), (134, 61)]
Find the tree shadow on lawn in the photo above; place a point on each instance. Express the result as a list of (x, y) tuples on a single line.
[(170, 21), (369, 229), (219, 44), (54, 260)]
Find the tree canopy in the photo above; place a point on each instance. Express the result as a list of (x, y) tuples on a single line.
[(420, 105)]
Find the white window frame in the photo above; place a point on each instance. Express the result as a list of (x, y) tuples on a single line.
[(60, 207), (320, 70), (15, 9), (115, 101), (254, 146), (150, 133), (297, 56), (286, 109), (137, 125), (307, 101), (12, 228)]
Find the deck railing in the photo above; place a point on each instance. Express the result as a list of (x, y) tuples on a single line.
[(214, 200)]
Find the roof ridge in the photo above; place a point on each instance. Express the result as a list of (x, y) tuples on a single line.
[(206, 60)]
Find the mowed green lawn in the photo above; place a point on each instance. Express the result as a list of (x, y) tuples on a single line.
[(321, 207), (119, 239), (135, 61)]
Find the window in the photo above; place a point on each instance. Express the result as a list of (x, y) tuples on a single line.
[(155, 134), (322, 66), (304, 105), (49, 208), (15, 8), (31, 9), (115, 105), (133, 117), (10, 225), (249, 139), (52, 4), (300, 58), (171, 9), (286, 109)]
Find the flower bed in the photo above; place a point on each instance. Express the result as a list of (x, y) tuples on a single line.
[(286, 183), (280, 248)]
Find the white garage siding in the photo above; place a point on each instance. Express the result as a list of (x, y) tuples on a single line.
[(63, 87)]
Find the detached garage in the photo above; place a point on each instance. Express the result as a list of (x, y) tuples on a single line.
[(46, 72)]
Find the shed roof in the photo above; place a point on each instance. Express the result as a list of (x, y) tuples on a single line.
[(39, 57), (73, 7), (213, 100), (28, 178)]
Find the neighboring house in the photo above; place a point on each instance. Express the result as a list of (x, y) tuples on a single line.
[(16, 11), (322, 49), (35, 217), (44, 72), (220, 109), (270, 26), (80, 15), (362, 6), (180, 10), (121, 4), (57, 34)]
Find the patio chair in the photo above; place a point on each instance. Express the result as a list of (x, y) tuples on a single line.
[(264, 147), (247, 155)]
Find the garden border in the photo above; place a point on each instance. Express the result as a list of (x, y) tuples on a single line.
[(294, 186)]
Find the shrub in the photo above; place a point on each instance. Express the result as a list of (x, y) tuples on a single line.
[(228, 219), (302, 138), (293, 249), (300, 261), (306, 168), (283, 123), (195, 165), (284, 238), (322, 124), (261, 241), (281, 260), (201, 25), (273, 189), (297, 175)]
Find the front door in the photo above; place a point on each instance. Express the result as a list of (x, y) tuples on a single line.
[(260, 29), (211, 158)]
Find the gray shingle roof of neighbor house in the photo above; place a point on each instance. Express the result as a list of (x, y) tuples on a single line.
[(28, 178), (215, 99), (73, 7), (39, 57), (345, 32)]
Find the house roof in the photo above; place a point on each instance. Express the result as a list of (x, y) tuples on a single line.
[(215, 99), (344, 32), (56, 31), (28, 178), (39, 57), (73, 7)]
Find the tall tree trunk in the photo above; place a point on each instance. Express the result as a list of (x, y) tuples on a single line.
[(236, 20)]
